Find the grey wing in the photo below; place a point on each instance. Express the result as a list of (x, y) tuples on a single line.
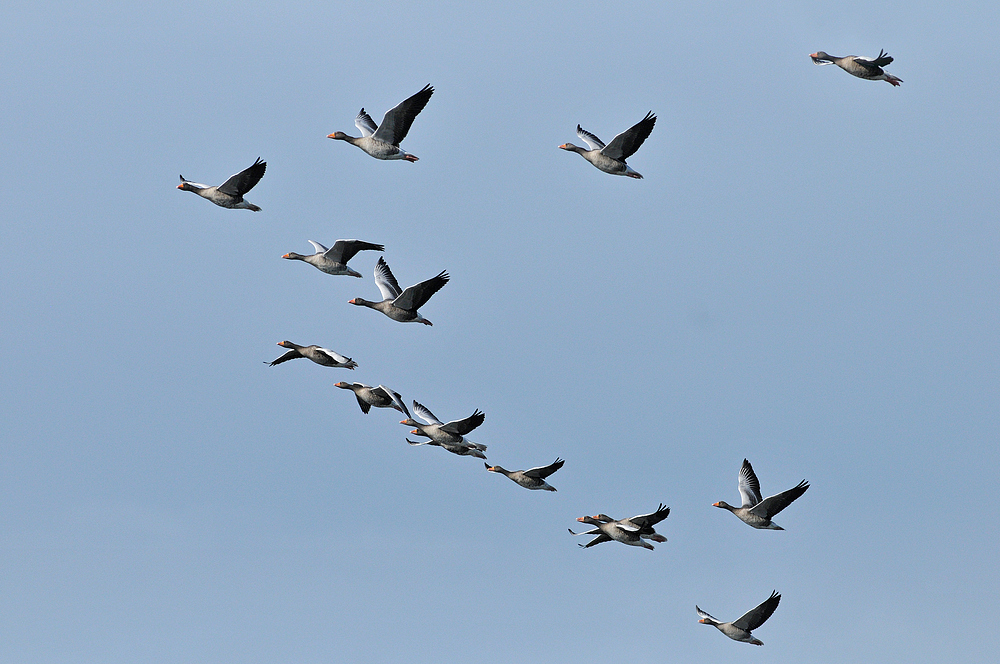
[(592, 141), (320, 249), (774, 504), (386, 283), (395, 398), (600, 539), (344, 250), (758, 615), (417, 295), (661, 513), (425, 414), (290, 355), (626, 143), (465, 426), (365, 124), (365, 406), (873, 64), (705, 615), (544, 471), (396, 123), (749, 486), (245, 180)]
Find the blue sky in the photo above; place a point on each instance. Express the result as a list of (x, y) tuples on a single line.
[(806, 277)]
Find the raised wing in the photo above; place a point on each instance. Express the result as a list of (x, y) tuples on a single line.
[(425, 414), (396, 123), (774, 504), (874, 63), (394, 397), (416, 296), (464, 426), (758, 615), (245, 180), (626, 143), (344, 250), (593, 142), (647, 520), (334, 355), (320, 249), (365, 124), (544, 471), (705, 615), (749, 486), (386, 283)]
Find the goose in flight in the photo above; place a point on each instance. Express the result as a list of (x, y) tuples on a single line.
[(740, 628), (382, 141), (323, 356), (229, 194), (632, 531), (755, 511), (401, 305), (533, 478), (334, 260), (867, 68), (380, 397), (611, 158)]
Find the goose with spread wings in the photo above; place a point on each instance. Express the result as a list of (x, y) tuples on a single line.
[(380, 397), (756, 511), (382, 141), (230, 193), (334, 260), (444, 432), (533, 478), (866, 68), (632, 531), (318, 354), (611, 158), (398, 304), (740, 628)]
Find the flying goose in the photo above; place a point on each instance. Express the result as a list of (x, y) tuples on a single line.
[(631, 531), (533, 478), (324, 356), (382, 141), (229, 194), (464, 448), (867, 68), (611, 158), (755, 511), (380, 397), (401, 305), (334, 260), (444, 432), (740, 628)]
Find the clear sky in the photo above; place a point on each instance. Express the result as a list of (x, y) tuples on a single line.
[(807, 276)]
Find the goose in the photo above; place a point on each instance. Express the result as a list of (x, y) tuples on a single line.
[(755, 511), (382, 141), (324, 356), (229, 194), (464, 448), (740, 628), (611, 158), (334, 260), (380, 397), (401, 305), (867, 68), (444, 432), (631, 531), (533, 478)]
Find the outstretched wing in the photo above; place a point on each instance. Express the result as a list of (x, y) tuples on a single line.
[(464, 426), (394, 397), (749, 486), (592, 141), (626, 143), (756, 616), (774, 504), (386, 283), (705, 615), (290, 355), (245, 180), (365, 124), (872, 64), (544, 471), (344, 250), (417, 295), (648, 520), (320, 249), (396, 123), (425, 414)]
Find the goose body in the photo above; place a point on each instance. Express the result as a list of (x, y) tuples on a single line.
[(334, 260), (611, 158), (739, 629), (318, 354), (451, 433), (382, 141), (464, 448), (380, 397), (632, 531), (866, 68), (533, 478), (756, 511), (230, 193), (401, 305)]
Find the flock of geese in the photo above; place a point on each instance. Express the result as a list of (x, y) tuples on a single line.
[(382, 142)]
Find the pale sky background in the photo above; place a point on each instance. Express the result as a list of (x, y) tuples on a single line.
[(806, 277)]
